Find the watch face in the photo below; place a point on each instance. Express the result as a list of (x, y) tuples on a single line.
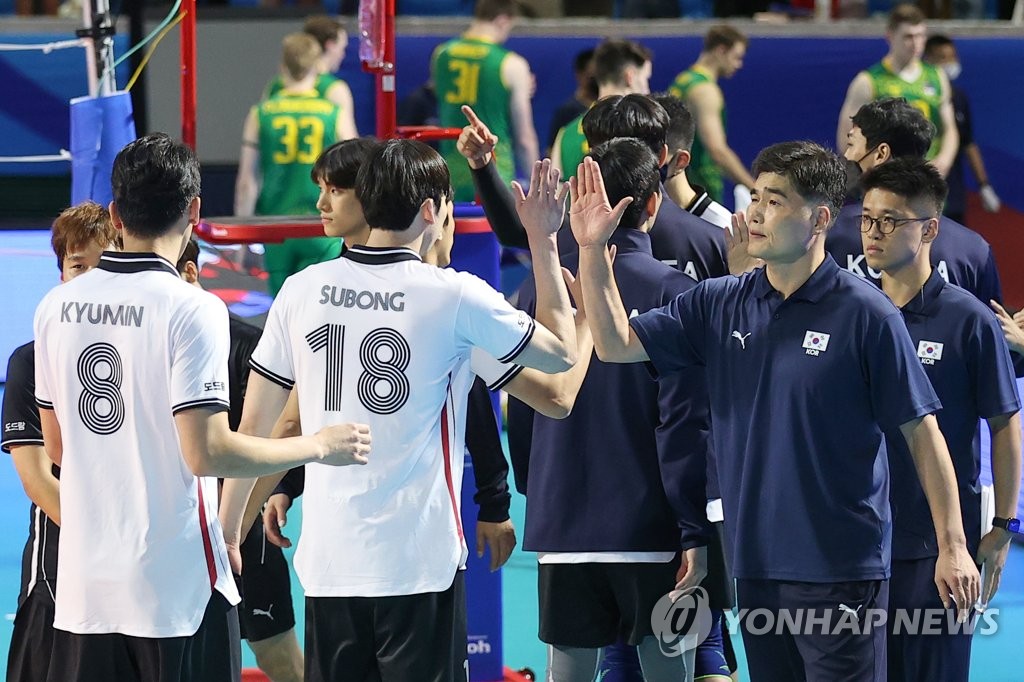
[(1013, 525)]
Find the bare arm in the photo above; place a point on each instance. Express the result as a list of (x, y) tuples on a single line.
[(955, 572), (593, 220), (247, 185), (859, 93), (554, 395), (706, 102), (974, 158), (41, 486), (1006, 471), (950, 135), (51, 435), (341, 94), (515, 73)]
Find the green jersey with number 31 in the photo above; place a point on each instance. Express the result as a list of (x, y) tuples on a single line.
[(468, 71)]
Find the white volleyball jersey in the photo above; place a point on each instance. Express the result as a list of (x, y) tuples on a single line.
[(119, 351), (378, 337)]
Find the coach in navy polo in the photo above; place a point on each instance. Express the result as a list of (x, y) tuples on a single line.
[(891, 129), (961, 347), (806, 366)]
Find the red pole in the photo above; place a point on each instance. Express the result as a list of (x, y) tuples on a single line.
[(188, 73), (387, 119)]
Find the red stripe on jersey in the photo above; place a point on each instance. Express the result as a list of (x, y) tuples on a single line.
[(447, 448), (211, 567)]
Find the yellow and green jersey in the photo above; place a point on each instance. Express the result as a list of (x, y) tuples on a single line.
[(294, 128), (572, 146), (702, 171), (323, 83), (924, 93), (468, 71)]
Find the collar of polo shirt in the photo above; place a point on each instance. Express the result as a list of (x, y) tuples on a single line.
[(813, 290), (927, 300)]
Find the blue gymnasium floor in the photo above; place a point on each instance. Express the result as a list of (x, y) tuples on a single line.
[(27, 269)]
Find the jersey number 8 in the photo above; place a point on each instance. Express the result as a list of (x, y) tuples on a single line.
[(382, 387), (101, 405)]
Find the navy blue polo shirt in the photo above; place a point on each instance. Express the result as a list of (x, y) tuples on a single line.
[(688, 243), (801, 391), (962, 349), (625, 471), (960, 255)]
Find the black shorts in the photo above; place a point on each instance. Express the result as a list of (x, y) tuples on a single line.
[(266, 609), (29, 657), (592, 605), (419, 637), (718, 583), (212, 654)]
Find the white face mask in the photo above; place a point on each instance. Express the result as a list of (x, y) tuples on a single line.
[(952, 70)]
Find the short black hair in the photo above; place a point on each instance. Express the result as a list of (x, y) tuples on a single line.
[(682, 127), (339, 164), (582, 60), (636, 116), (396, 179), (935, 42), (910, 178), (816, 173), (189, 255), (489, 10), (629, 169), (154, 180), (896, 123), (613, 56)]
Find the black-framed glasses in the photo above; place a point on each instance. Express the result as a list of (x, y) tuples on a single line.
[(886, 224)]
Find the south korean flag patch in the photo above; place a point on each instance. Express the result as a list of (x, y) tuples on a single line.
[(929, 352), (815, 342)]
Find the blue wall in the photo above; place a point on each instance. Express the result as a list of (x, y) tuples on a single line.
[(789, 88)]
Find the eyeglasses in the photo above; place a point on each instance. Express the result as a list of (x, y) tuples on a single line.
[(886, 224)]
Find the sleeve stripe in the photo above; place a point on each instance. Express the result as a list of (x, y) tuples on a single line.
[(271, 376), (221, 405), (521, 345), (8, 444), (44, 404), (508, 376)]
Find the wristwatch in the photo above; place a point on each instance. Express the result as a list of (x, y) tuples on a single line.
[(1012, 525)]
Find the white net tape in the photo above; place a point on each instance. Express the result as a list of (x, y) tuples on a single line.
[(45, 48), (64, 155)]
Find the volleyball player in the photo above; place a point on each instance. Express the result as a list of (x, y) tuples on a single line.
[(961, 347), (282, 138), (379, 334), (266, 618), (901, 73), (806, 366), (893, 129), (80, 234), (131, 379)]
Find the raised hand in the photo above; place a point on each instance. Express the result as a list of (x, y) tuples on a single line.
[(591, 216), (345, 444), (542, 209), (1011, 327), (736, 241), (476, 142)]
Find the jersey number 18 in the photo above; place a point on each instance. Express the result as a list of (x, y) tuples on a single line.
[(382, 387)]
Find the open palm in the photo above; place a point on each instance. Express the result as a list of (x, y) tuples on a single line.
[(591, 216)]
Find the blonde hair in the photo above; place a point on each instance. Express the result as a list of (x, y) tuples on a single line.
[(79, 226), (300, 55)]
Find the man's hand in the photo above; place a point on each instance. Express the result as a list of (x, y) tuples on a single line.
[(740, 198), (499, 537), (989, 199), (956, 578), (591, 216), (1011, 328), (692, 570), (476, 142), (992, 551), (345, 444), (736, 240), (542, 209), (275, 517)]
